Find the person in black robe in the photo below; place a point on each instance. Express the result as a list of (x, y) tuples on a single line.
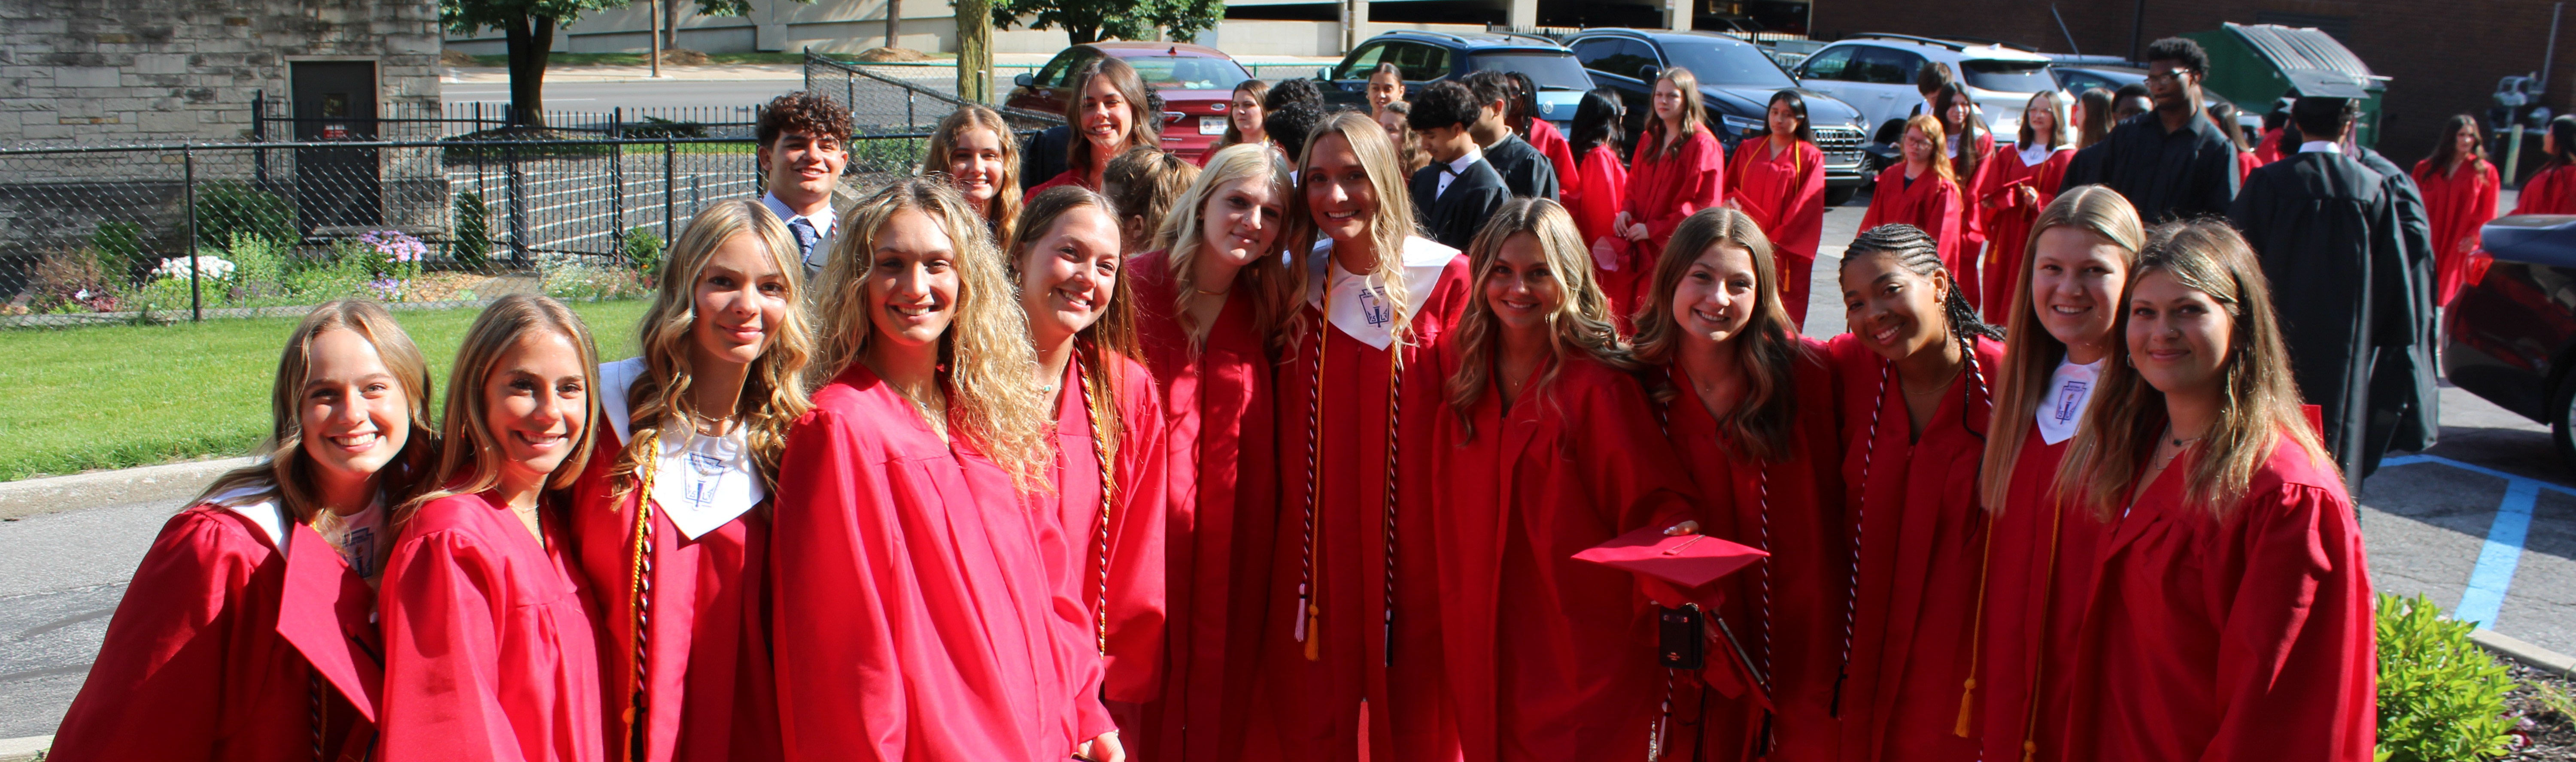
[(1525, 171), (2405, 409), (2170, 162), (1459, 191), (2334, 249)]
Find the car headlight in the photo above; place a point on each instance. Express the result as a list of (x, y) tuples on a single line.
[(1740, 126)]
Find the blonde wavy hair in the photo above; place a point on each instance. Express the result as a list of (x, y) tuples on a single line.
[(1388, 228), (2034, 353), (1767, 349), (990, 369), (943, 141), (773, 395), (1184, 234), (1578, 325), (469, 453), (2259, 401), (284, 471)]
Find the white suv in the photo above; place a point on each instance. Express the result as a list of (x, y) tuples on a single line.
[(1875, 74)]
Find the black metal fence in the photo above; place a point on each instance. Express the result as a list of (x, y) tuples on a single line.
[(107, 233)]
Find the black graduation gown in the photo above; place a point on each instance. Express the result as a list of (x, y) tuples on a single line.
[(2333, 248), (1454, 217), (1526, 172), (2406, 400), (2189, 172), (1042, 155)]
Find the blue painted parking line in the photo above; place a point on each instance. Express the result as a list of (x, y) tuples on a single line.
[(2502, 552)]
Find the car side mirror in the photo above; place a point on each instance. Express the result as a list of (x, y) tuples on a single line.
[(1649, 73), (1023, 79), (1323, 75)]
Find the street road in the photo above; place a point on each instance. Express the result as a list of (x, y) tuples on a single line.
[(2486, 524)]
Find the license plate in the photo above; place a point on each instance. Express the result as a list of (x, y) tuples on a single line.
[(1211, 125)]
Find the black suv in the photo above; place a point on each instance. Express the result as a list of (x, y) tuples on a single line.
[(1736, 82), (1427, 57)]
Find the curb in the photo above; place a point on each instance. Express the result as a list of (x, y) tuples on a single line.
[(2514, 648), (15, 749), (168, 483)]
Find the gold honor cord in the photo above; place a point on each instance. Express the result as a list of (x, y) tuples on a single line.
[(1108, 486), (640, 589)]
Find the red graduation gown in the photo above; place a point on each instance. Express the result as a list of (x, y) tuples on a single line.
[(1663, 191), (1222, 482), (1599, 193), (2248, 639), (2039, 570), (1551, 144), (709, 690), (2459, 203), (1785, 196), (1973, 186), (1919, 528), (2008, 221), (221, 647), (1067, 177), (1930, 203), (1793, 508), (1550, 658), (1072, 542), (490, 651), (1309, 709), (912, 614), (2550, 191), (2268, 149)]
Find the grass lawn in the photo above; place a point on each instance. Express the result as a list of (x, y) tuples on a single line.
[(76, 399)]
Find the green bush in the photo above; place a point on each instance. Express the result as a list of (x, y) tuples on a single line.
[(473, 248), (119, 245), (227, 208), (259, 265), (643, 251), (2441, 698), (170, 295)]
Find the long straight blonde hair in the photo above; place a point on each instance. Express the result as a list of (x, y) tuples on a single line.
[(469, 456), (2034, 353), (1184, 235), (1108, 339), (990, 368), (1579, 324), (1006, 189), (2259, 402), (773, 395), (1388, 228), (1767, 349), (284, 471)]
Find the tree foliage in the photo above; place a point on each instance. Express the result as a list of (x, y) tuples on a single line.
[(529, 26), (1094, 20)]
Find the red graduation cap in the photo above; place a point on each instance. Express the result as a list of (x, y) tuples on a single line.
[(1689, 560)]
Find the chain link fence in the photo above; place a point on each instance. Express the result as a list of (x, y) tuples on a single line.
[(903, 98)]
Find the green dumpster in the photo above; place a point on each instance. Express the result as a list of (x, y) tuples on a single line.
[(2250, 64)]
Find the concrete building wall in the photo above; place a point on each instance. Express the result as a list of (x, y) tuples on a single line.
[(850, 26), (173, 70), (2443, 58)]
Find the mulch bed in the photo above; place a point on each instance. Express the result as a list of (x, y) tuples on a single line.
[(2544, 734)]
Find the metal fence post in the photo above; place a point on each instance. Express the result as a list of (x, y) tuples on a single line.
[(188, 186), (259, 134), (909, 120), (518, 204), (669, 152)]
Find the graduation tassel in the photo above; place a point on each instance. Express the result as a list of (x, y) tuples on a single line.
[(1967, 708)]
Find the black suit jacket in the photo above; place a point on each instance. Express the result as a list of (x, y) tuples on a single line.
[(1454, 217), (1525, 171)]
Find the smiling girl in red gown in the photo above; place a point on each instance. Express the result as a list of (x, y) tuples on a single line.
[(1100, 531), (2038, 556), (1549, 446), (489, 644), (693, 429), (913, 616), (2231, 613), (1751, 408), (1105, 105), (226, 645), (1359, 389), (1916, 394), (2018, 184), (1207, 332), (1780, 183)]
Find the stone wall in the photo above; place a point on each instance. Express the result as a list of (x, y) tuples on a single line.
[(174, 70)]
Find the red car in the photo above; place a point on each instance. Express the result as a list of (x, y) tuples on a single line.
[(1197, 84)]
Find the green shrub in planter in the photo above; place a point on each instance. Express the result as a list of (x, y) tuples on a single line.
[(227, 208), (119, 245), (2441, 698), (643, 251), (473, 247)]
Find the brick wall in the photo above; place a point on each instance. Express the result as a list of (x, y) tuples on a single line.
[(2442, 58), (175, 70)]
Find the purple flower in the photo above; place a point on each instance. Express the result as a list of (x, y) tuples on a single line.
[(395, 245)]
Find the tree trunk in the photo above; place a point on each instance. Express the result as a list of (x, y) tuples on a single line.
[(531, 41), (975, 50), (1082, 34), (670, 23), (894, 22)]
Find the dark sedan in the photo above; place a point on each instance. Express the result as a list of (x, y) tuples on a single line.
[(2512, 328), (1736, 82)]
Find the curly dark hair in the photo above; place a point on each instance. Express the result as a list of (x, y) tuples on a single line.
[(803, 111), (2181, 50), (1444, 104), (1291, 125), (1289, 91)]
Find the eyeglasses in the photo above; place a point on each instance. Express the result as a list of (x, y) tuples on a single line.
[(2166, 76)]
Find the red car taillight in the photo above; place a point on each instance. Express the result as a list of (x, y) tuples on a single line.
[(2475, 269)]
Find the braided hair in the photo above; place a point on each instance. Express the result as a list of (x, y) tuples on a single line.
[(1916, 251)]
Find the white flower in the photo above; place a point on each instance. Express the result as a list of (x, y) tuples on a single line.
[(207, 266)]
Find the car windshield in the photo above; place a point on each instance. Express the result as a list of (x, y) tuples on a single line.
[(1551, 70), (1720, 63), (1188, 72), (2008, 76)]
